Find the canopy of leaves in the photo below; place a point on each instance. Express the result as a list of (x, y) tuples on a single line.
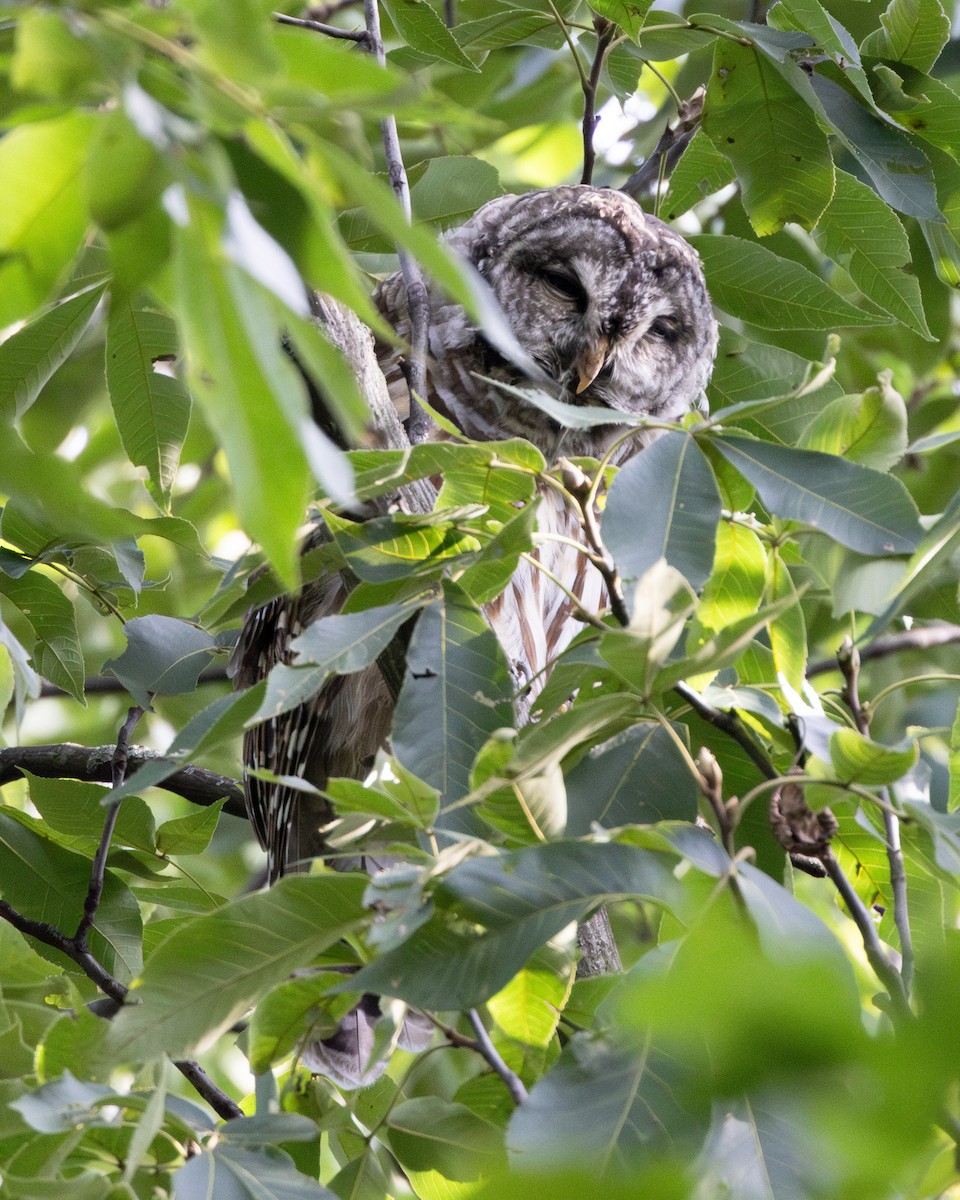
[(779, 657)]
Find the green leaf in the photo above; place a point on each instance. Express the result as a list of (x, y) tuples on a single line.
[(637, 777), (203, 976), (756, 1152), (509, 27), (788, 631), (672, 484), (151, 407), (430, 1133), (236, 1173), (781, 155), (856, 506), (286, 1015), (735, 587), (753, 283), (73, 807), (50, 59), (123, 173), (32, 355), (924, 105), (422, 30), (701, 171), (859, 759), (57, 655), (913, 32), (521, 900), (630, 17), (528, 1009), (662, 602), (953, 799), (900, 172), (42, 220), (163, 655), (456, 692), (190, 834), (604, 1104), (870, 429), (862, 235), (48, 883), (250, 391)]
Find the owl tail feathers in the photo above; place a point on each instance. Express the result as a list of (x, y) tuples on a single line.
[(357, 1054)]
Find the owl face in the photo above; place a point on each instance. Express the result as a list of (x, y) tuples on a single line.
[(609, 302)]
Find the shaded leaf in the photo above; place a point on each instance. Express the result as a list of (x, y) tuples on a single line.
[(456, 692), (858, 507), (860, 233), (913, 32), (753, 283), (32, 355), (603, 1103), (163, 655), (672, 484), (151, 407), (212, 968), (522, 900)]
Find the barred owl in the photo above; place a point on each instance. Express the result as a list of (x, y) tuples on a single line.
[(611, 306)]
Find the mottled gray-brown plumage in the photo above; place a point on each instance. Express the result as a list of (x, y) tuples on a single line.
[(611, 306)]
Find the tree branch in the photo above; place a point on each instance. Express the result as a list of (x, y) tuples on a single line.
[(94, 764), (925, 637), (606, 32), (883, 968), (334, 31), (489, 1052), (49, 935), (118, 771), (848, 659)]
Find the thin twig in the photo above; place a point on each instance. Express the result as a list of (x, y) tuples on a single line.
[(49, 935), (848, 659), (606, 32), (418, 302), (349, 35), (489, 1051), (731, 725), (104, 685), (883, 968), (118, 772), (924, 637), (94, 764)]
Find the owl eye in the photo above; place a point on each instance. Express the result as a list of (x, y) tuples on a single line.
[(665, 328), (568, 286)]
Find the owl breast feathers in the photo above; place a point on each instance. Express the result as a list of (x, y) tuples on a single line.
[(609, 303)]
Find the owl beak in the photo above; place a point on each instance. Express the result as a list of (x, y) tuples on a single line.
[(590, 363)]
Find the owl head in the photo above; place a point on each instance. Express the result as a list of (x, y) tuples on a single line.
[(609, 302)]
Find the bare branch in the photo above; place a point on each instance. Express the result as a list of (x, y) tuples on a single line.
[(334, 31), (606, 32), (884, 969), (848, 659), (49, 935), (118, 771), (94, 764), (923, 637), (490, 1053)]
